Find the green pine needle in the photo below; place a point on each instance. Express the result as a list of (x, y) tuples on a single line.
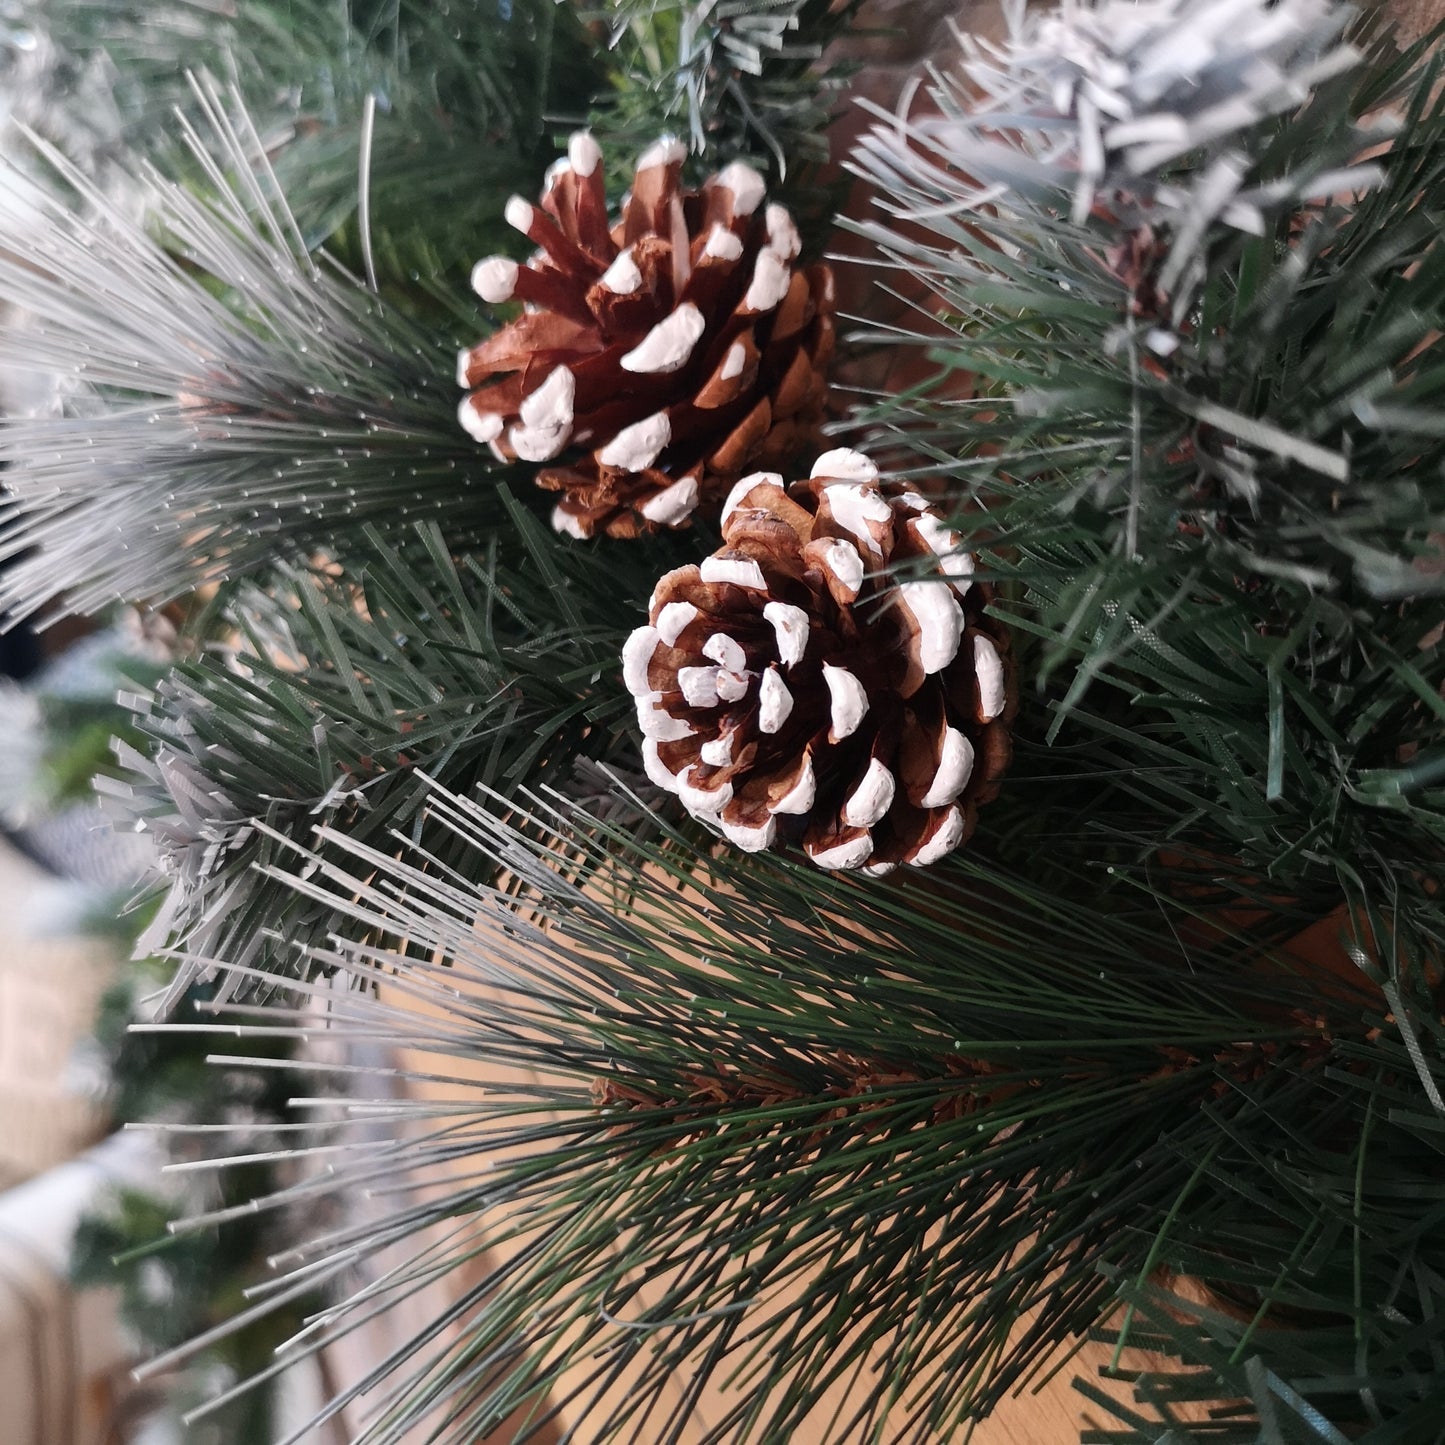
[(339, 695), (866, 1138), (1199, 461)]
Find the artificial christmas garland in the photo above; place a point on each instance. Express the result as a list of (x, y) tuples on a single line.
[(722, 1122)]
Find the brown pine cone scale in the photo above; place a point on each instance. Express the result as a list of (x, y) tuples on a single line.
[(792, 688), (657, 356)]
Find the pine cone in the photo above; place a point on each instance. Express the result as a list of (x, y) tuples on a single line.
[(790, 688), (668, 352)]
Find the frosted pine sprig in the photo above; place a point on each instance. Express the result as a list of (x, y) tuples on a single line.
[(1135, 113), (228, 398)]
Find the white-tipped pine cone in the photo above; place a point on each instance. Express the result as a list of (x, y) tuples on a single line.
[(790, 690), (657, 357)]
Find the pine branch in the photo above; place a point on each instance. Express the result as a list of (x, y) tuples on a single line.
[(739, 80), (1149, 329), (468, 97), (340, 695), (242, 400), (783, 1123), (736, 79), (1231, 1377), (1197, 459), (760, 1152)]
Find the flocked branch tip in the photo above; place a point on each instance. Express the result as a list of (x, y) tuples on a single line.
[(1093, 108)]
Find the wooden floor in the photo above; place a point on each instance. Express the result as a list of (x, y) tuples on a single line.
[(1056, 1412)]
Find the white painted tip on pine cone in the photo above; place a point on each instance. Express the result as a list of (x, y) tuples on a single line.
[(845, 465), (583, 153), (783, 237), (546, 418), (637, 653), (698, 686), (723, 245), (494, 279), (955, 767), (659, 724), (854, 507), (622, 277), (740, 571), (637, 446), (988, 667), (799, 799), (945, 839), (519, 214), (746, 185), (725, 651), (848, 701), (842, 561), (673, 504), (769, 284), (673, 617), (775, 702), (935, 610), (872, 798), (851, 853), (568, 524), (741, 488), (481, 426), (750, 840), (665, 151), (667, 347), (790, 631), (947, 547)]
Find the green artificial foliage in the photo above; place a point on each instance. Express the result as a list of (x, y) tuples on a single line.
[(737, 79), (338, 695), (878, 1108), (443, 104), (1173, 272), (283, 405), (427, 113), (1200, 467)]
